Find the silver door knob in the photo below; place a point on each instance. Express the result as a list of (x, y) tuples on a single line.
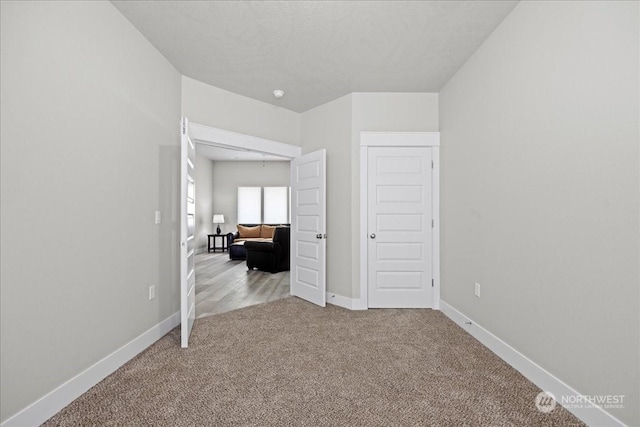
[(318, 236), (373, 235)]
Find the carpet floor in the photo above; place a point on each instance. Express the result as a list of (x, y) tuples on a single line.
[(290, 363)]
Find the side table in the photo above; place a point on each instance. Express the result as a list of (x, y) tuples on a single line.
[(212, 242)]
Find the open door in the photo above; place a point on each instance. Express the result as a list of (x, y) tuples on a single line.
[(308, 227), (187, 230)]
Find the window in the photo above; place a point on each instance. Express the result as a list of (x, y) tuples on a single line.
[(274, 210), (249, 205), (276, 205)]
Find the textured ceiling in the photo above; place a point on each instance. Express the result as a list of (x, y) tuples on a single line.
[(317, 51)]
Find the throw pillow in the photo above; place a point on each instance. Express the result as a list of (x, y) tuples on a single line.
[(267, 231), (248, 232)]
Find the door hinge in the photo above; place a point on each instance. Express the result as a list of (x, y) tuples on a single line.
[(184, 127), (432, 283), (432, 224), (431, 164)]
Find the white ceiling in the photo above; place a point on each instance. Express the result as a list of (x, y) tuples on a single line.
[(316, 51)]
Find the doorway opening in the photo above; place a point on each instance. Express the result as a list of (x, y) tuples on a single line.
[(227, 162)]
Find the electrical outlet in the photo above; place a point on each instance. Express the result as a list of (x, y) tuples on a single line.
[(152, 292), (477, 290), (158, 217)]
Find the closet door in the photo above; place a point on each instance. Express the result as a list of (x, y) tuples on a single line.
[(399, 218)]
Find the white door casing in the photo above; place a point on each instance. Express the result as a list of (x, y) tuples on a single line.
[(400, 266), (308, 227), (187, 238)]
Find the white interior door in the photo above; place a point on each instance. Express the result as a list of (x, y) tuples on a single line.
[(399, 250), (308, 227), (187, 240)]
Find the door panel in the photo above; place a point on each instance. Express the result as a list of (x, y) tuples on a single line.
[(399, 218), (187, 238), (308, 227), (398, 280), (406, 194)]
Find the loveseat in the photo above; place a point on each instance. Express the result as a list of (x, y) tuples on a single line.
[(270, 256), (249, 232)]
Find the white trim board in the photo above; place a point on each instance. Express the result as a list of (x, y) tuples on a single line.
[(344, 302), (593, 415), (435, 244), (207, 135), (50, 404), (399, 139)]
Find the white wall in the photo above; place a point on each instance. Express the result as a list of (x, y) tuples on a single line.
[(90, 115), (208, 105), (382, 112), (540, 192), (228, 176), (329, 126), (204, 201)]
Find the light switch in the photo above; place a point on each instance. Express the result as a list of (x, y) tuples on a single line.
[(158, 217)]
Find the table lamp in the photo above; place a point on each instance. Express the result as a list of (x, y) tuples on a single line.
[(218, 219)]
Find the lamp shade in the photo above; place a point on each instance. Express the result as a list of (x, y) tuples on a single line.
[(218, 219)]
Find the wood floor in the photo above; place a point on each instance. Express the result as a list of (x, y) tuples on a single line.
[(223, 284)]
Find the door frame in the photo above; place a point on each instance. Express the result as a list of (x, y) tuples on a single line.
[(399, 139), (208, 135)]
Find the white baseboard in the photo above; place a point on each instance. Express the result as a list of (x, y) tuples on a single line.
[(592, 415), (50, 404), (344, 302)]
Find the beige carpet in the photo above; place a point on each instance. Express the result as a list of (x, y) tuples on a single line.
[(290, 363)]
